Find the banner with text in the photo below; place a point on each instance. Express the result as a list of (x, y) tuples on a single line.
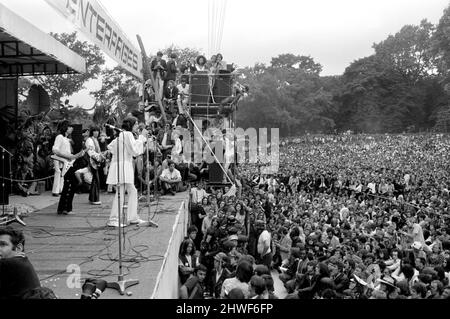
[(91, 19)]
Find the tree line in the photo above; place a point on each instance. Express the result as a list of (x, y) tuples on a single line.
[(402, 87)]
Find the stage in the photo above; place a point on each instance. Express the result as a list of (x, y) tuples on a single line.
[(61, 246)]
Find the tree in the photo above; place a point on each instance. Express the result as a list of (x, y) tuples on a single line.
[(59, 86), (300, 62), (286, 96), (183, 54), (441, 45), (118, 96), (409, 52)]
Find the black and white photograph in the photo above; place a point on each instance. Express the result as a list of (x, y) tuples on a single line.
[(225, 155)]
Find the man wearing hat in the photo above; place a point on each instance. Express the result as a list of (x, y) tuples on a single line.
[(264, 244), (218, 274), (387, 284)]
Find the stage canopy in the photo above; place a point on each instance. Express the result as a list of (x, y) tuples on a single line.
[(25, 50)]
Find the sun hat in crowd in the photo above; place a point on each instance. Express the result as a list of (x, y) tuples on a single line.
[(360, 281), (389, 281), (233, 237)]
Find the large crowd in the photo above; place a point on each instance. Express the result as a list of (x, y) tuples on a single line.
[(346, 217)]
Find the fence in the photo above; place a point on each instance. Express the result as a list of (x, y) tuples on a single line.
[(167, 282)]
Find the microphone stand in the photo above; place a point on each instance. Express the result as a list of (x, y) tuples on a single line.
[(149, 222), (121, 285)]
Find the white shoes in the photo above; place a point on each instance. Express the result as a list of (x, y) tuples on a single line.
[(96, 203), (137, 222), (114, 224)]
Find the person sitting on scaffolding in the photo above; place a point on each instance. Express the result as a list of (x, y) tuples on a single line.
[(187, 68), (183, 95), (221, 64), (171, 96), (200, 66), (24, 175), (179, 120), (149, 105), (240, 91), (165, 140), (213, 67), (172, 70), (159, 68)]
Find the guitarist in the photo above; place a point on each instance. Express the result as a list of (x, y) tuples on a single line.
[(61, 145), (63, 150), (95, 160)]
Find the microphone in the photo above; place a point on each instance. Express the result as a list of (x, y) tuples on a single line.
[(113, 127)]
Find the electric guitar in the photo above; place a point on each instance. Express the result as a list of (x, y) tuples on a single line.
[(66, 163)]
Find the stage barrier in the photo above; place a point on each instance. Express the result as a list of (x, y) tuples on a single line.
[(167, 283)]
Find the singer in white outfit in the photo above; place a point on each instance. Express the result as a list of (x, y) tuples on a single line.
[(128, 147)]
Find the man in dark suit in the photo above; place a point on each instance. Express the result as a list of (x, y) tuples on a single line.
[(171, 96), (218, 274), (172, 70), (164, 139), (159, 69)]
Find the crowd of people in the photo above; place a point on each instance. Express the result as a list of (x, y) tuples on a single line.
[(346, 217)]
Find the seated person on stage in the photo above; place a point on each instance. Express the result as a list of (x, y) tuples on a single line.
[(17, 274), (240, 92), (152, 117), (180, 121), (171, 180), (183, 95), (164, 139), (25, 173), (171, 96), (84, 178)]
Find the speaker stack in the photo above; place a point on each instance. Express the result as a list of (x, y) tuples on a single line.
[(222, 87), (215, 173), (199, 89)]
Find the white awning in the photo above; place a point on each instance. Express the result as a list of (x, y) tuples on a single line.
[(26, 50)]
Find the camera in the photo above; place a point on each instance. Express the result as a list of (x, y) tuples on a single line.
[(93, 288)]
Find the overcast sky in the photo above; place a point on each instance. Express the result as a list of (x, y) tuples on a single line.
[(334, 33)]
